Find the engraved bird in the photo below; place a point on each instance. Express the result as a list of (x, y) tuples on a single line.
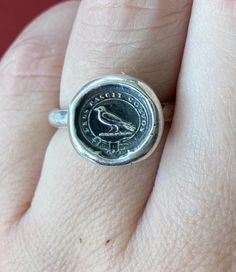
[(113, 121)]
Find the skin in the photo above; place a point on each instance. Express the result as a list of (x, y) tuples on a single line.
[(173, 212)]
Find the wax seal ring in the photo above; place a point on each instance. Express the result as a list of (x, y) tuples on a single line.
[(114, 120)]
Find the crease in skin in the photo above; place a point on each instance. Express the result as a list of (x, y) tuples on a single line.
[(133, 29), (113, 44), (152, 68), (28, 58), (146, 5), (131, 25)]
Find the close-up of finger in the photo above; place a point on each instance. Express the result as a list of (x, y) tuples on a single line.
[(191, 212), (29, 80), (140, 38)]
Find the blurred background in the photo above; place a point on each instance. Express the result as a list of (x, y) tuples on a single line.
[(15, 15)]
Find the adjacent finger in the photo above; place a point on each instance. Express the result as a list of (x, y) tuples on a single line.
[(191, 214), (29, 80)]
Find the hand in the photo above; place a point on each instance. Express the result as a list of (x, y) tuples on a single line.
[(173, 212)]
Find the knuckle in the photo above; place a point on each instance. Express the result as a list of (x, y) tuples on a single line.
[(31, 65), (22, 58)]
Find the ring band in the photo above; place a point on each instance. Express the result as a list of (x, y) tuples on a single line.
[(114, 120), (59, 118)]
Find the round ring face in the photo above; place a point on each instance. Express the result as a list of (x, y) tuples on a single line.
[(115, 120)]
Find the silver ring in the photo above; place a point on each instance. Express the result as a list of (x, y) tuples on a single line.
[(114, 120)]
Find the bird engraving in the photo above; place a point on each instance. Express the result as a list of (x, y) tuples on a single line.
[(113, 121)]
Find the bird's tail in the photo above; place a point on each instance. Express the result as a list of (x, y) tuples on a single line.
[(129, 127)]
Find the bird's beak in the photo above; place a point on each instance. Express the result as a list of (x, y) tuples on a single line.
[(96, 109)]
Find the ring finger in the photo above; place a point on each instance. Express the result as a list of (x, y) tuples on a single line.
[(100, 205)]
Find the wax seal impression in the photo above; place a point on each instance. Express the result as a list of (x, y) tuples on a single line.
[(115, 120)]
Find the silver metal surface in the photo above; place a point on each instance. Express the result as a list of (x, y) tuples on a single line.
[(59, 118), (114, 120)]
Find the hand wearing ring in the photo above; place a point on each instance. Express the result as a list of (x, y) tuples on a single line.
[(168, 210)]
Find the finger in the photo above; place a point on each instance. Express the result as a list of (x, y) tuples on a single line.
[(29, 80), (192, 208), (141, 38)]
